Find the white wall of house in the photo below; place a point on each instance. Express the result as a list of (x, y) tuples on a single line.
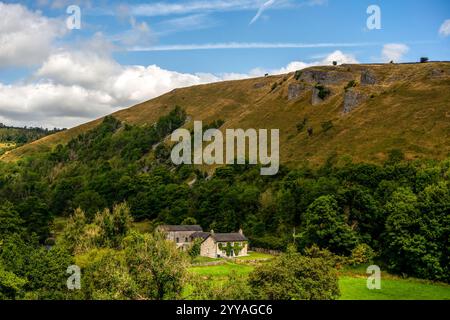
[(208, 248)]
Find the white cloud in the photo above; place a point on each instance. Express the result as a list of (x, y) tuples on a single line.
[(264, 7), (199, 6), (445, 28), (185, 23), (394, 52), (338, 56), (74, 87), (26, 37)]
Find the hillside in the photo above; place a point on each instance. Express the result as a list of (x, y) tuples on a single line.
[(385, 107), (12, 137)]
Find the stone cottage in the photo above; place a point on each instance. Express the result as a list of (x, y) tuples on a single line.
[(213, 245), (181, 235), (218, 245)]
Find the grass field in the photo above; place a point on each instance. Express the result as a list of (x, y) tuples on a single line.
[(352, 283)]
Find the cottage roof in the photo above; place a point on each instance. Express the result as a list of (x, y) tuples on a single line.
[(228, 237), (200, 235), (195, 228)]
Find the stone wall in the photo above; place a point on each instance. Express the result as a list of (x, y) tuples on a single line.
[(208, 248)]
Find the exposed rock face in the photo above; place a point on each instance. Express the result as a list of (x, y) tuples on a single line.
[(295, 90), (325, 77), (352, 99), (437, 73), (368, 78), (315, 100), (259, 85)]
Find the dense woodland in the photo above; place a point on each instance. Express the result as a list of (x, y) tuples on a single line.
[(23, 135), (398, 213)]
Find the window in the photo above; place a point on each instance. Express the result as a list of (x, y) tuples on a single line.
[(178, 240), (186, 239)]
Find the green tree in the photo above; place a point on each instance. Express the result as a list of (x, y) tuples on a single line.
[(325, 226), (156, 265), (11, 286), (292, 276), (417, 231), (10, 220)]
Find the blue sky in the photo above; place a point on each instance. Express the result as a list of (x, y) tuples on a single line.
[(211, 40)]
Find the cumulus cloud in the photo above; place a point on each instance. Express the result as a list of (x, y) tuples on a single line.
[(394, 52), (338, 56), (73, 87), (445, 28), (26, 37)]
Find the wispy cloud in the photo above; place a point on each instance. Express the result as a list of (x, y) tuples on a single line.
[(202, 6), (394, 51), (185, 23), (250, 45), (445, 28), (264, 7)]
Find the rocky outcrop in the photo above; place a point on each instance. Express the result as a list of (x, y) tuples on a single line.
[(326, 77), (295, 90), (315, 100), (259, 85), (368, 78), (437, 73), (352, 99)]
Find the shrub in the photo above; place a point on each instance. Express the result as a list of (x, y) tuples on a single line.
[(395, 156), (292, 276), (194, 250), (361, 254), (335, 63), (350, 84), (424, 59), (301, 125), (297, 75), (334, 260), (327, 125), (323, 92)]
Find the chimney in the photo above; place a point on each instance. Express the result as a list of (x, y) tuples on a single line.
[(241, 232)]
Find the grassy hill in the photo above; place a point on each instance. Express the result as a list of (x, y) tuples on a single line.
[(12, 137), (391, 106)]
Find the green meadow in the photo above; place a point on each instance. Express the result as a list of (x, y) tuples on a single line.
[(352, 281)]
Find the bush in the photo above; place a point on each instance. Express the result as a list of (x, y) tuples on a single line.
[(327, 125), (334, 260), (297, 75), (323, 92), (301, 125), (424, 59), (350, 85), (361, 254), (194, 250), (234, 287), (292, 276)]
